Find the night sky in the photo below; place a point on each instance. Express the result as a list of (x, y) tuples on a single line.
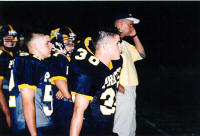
[(169, 31)]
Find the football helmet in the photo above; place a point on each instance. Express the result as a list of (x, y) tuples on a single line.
[(60, 37), (5, 32)]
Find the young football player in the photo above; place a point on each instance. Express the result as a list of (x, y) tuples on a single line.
[(8, 39), (93, 79)]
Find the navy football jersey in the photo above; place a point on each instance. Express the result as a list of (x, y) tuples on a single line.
[(89, 77), (26, 71), (59, 66), (85, 43), (5, 58), (63, 109), (55, 68)]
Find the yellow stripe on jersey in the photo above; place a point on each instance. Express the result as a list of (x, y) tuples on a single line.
[(11, 54), (69, 59), (110, 66), (27, 86), (86, 96), (57, 77), (1, 77)]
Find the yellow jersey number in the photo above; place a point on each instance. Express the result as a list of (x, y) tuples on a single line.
[(109, 92), (108, 102), (12, 99), (48, 98), (82, 55)]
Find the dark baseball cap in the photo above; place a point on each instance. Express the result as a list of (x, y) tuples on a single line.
[(128, 16)]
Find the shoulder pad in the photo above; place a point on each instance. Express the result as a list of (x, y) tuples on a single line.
[(23, 54), (84, 62), (36, 57)]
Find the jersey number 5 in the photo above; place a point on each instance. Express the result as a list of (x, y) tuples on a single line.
[(48, 98)]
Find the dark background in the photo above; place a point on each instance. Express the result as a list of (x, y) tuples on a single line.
[(169, 90)]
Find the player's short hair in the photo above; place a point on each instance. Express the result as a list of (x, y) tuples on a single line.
[(103, 34), (33, 30)]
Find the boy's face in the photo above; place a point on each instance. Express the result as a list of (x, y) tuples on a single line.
[(114, 47), (8, 41)]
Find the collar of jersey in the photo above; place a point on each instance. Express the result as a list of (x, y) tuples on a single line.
[(9, 52)]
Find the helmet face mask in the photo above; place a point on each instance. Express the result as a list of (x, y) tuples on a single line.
[(62, 40), (8, 36), (69, 45), (57, 46), (8, 41)]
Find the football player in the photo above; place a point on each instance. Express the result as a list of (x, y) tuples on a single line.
[(8, 41), (62, 40), (26, 71), (31, 94), (93, 80)]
